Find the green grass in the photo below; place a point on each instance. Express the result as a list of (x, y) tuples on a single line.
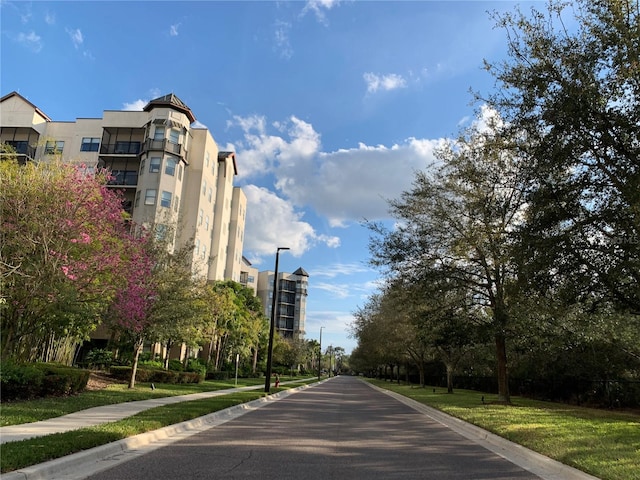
[(16, 413), (16, 455), (604, 443)]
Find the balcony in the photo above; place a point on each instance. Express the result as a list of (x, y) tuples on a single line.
[(120, 148), (23, 149), (164, 146), (123, 178)]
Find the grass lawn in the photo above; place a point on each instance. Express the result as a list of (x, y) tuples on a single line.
[(15, 413), (16, 455), (604, 443)]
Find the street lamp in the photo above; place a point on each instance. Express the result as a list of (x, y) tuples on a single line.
[(267, 380), (320, 355)]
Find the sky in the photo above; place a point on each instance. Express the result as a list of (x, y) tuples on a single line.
[(331, 106)]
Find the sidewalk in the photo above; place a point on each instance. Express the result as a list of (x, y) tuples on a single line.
[(103, 414)]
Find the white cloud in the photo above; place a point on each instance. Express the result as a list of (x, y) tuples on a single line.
[(50, 18), (344, 186), (335, 269), (136, 105), (76, 37), (319, 8), (30, 40), (388, 82), (270, 220), (173, 29), (282, 42)]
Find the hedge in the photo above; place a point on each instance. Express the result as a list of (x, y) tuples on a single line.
[(23, 381), (156, 375)]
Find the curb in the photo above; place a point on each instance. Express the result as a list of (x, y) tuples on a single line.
[(534, 462), (97, 455)]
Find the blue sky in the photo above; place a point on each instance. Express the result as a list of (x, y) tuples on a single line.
[(329, 105)]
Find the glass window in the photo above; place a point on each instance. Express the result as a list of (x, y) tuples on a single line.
[(161, 232), (159, 133), (137, 202), (90, 144), (206, 223), (150, 196), (206, 158), (200, 215), (180, 171), (170, 167), (176, 203), (204, 188), (142, 166), (154, 164), (174, 136), (210, 194), (204, 251), (165, 199), (54, 146)]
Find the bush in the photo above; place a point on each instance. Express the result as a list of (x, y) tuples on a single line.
[(156, 375), (99, 358), (176, 365), (22, 381)]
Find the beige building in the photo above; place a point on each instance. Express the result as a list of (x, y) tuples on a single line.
[(291, 300), (171, 171)]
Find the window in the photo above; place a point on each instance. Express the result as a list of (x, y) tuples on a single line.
[(165, 199), (159, 133), (210, 194), (170, 167), (200, 215), (174, 136), (137, 202), (150, 196), (176, 204), (204, 188), (206, 158), (142, 167), (54, 146), (180, 171), (206, 223), (154, 164), (90, 144), (204, 252), (161, 232), (197, 246)]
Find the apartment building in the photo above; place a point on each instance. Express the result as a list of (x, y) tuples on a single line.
[(291, 300), (170, 170)]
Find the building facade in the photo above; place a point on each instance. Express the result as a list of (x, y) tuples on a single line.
[(291, 300), (172, 174)]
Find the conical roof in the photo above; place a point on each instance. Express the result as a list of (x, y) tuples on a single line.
[(301, 271), (170, 101)]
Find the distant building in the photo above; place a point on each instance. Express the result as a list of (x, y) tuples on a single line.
[(169, 168), (249, 276), (291, 300)]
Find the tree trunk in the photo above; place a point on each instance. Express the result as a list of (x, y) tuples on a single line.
[(254, 365), (134, 369), (449, 378), (503, 378), (167, 352)]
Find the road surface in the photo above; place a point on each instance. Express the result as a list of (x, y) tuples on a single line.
[(342, 429)]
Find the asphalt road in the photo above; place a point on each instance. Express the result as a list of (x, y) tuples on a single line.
[(341, 429)]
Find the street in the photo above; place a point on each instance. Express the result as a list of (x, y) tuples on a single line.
[(341, 429)]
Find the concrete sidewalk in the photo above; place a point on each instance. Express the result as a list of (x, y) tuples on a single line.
[(103, 414)]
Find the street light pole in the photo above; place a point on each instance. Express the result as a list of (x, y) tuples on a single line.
[(267, 380), (320, 355)]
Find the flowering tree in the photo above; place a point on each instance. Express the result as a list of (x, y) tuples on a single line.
[(62, 237), (132, 304)]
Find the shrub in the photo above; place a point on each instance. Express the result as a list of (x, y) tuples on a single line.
[(176, 365), (99, 358), (156, 375), (32, 380)]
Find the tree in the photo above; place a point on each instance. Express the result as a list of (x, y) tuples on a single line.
[(63, 234), (574, 93), (457, 224)]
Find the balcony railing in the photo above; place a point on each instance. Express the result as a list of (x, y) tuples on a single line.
[(165, 146), (120, 148), (126, 178), (23, 148)]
